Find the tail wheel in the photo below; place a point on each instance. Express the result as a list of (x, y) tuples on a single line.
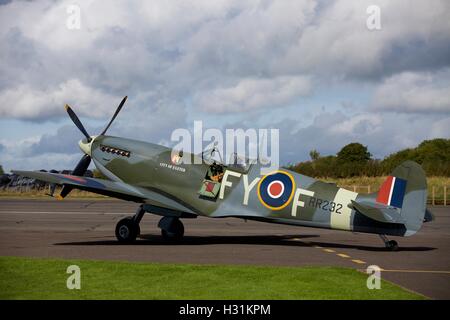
[(127, 230), (175, 232)]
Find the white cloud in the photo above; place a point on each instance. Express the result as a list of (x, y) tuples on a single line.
[(414, 92), (150, 117), (38, 152), (205, 49), (26, 102), (47, 161), (383, 134), (339, 43), (360, 124), (251, 94), (228, 56)]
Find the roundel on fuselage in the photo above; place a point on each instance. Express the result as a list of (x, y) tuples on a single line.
[(276, 189)]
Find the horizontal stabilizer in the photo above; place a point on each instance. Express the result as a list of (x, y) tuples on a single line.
[(379, 212)]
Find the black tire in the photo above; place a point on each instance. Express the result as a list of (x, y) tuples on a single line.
[(176, 232), (392, 245), (127, 230)]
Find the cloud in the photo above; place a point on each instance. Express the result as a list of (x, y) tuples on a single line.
[(382, 133), (360, 124), (414, 92), (46, 161), (49, 151), (337, 42), (64, 141), (25, 102), (150, 117), (241, 61), (213, 51), (251, 94)]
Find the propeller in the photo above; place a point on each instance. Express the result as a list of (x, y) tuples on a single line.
[(115, 115), (77, 122), (85, 161), (79, 170)]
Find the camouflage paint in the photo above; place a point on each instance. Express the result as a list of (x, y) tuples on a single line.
[(148, 175)]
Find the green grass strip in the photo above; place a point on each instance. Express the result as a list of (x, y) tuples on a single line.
[(32, 278)]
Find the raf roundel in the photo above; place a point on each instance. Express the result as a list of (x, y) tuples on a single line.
[(275, 190)]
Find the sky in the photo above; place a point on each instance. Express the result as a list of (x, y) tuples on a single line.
[(312, 69)]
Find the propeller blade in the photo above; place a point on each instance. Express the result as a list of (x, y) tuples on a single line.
[(64, 192), (79, 170), (115, 115), (77, 122), (82, 166)]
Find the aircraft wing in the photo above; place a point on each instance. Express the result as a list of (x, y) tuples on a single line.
[(378, 212), (118, 190)]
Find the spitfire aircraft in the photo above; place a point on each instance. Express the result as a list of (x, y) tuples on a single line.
[(154, 176)]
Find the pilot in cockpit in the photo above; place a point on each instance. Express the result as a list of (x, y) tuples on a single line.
[(216, 172)]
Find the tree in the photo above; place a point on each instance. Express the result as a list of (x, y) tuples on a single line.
[(432, 155), (314, 154), (355, 160), (1, 170), (353, 153)]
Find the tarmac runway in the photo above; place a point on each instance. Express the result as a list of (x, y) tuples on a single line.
[(85, 230)]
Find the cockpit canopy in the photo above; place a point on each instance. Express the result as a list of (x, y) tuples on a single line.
[(212, 155)]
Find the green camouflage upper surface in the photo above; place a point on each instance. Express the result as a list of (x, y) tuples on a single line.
[(147, 173)]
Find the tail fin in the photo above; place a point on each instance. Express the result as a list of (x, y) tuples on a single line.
[(406, 189)]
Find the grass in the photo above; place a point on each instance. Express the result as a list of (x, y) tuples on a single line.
[(30, 278), (41, 194)]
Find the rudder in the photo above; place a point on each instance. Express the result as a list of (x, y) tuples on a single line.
[(406, 190)]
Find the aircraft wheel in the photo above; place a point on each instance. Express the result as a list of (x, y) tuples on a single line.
[(175, 232), (392, 245), (127, 230)]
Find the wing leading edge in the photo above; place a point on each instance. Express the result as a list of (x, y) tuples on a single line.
[(118, 190)]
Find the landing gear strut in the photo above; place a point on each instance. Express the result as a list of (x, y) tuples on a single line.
[(172, 228), (128, 228), (390, 244)]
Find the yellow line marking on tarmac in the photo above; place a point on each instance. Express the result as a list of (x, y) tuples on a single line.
[(358, 261), (342, 255)]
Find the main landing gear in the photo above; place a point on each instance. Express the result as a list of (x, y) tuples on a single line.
[(127, 229), (172, 228), (391, 245)]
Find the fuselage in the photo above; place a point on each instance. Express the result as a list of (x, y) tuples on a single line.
[(243, 192)]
